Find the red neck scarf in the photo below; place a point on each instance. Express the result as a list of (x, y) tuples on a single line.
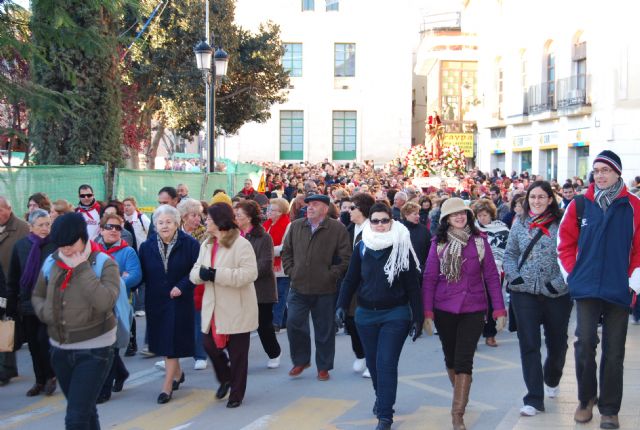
[(113, 249), (248, 192), (88, 210), (67, 276), (276, 231), (542, 221)]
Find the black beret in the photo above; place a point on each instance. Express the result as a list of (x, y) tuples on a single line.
[(68, 228), (318, 198)]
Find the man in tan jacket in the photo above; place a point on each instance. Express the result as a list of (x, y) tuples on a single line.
[(12, 229), (315, 255)]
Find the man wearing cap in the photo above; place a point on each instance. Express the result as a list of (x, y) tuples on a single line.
[(315, 254), (609, 227)]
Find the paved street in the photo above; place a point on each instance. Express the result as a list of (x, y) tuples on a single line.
[(274, 401)]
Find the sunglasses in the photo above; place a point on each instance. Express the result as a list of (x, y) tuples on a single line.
[(383, 221), (85, 196), (110, 227)]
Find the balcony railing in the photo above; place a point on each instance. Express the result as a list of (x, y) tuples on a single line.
[(561, 94), (441, 21)]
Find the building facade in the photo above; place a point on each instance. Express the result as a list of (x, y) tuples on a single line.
[(557, 85), (350, 64), (446, 70)]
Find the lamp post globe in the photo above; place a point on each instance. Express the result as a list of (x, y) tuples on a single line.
[(221, 60), (203, 55)]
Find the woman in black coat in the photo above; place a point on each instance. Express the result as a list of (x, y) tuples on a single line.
[(420, 236), (248, 219), (167, 257), (26, 260)]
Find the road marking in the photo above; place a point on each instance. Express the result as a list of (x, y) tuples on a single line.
[(306, 413), (174, 414), (57, 403), (42, 408), (447, 394), (509, 364), (430, 417)]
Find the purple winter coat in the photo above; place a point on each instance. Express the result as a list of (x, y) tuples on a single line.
[(468, 294)]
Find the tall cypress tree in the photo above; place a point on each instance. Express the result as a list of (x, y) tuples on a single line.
[(81, 63)]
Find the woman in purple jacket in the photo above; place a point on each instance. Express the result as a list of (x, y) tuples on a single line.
[(455, 298)]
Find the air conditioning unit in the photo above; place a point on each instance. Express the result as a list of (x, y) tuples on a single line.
[(345, 87)]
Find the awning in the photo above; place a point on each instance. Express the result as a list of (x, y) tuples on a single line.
[(545, 147), (524, 149)]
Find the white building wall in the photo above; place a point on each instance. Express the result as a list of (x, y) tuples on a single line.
[(380, 92), (508, 28)]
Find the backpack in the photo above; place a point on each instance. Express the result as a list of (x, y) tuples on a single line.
[(122, 309)]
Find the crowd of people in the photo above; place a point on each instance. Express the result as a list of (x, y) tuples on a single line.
[(343, 246)]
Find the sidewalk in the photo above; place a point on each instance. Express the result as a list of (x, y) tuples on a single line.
[(559, 411)]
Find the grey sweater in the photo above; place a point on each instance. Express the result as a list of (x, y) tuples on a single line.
[(541, 267)]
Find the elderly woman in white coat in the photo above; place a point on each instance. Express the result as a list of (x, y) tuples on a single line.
[(227, 267)]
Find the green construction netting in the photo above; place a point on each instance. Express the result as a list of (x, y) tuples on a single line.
[(58, 182), (145, 184), (18, 183)]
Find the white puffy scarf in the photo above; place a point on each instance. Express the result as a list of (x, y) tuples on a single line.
[(399, 239)]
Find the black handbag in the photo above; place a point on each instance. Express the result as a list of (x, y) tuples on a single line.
[(512, 315)]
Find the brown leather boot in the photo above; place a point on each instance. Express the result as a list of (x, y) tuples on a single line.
[(452, 375), (461, 388)]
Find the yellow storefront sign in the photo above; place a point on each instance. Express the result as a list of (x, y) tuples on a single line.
[(463, 140)]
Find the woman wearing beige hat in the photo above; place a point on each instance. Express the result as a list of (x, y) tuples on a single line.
[(455, 297)]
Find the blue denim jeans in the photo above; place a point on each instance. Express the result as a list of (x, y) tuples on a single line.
[(200, 353), (81, 373), (280, 307), (615, 320), (553, 314), (382, 347)]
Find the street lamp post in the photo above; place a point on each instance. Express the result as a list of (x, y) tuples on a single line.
[(211, 73)]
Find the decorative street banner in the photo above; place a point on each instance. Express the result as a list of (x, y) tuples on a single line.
[(463, 140)]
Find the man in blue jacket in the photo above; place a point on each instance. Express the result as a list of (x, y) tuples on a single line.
[(606, 223)]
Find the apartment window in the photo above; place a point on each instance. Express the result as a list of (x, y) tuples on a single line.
[(308, 5), (344, 135), (551, 79), (291, 134), (292, 59), (498, 133), (333, 5), (345, 60)]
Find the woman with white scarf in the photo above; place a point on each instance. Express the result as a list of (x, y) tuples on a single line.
[(383, 271), (460, 273)]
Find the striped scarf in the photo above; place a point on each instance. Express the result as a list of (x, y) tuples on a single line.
[(450, 253), (542, 221), (164, 253), (604, 197)]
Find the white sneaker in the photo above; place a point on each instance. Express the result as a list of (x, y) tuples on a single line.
[(359, 365), (551, 392), (366, 374), (159, 365), (139, 313), (528, 411), (200, 365), (274, 363)]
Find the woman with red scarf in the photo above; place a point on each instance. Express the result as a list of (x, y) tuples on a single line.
[(539, 294), (277, 226), (110, 242)]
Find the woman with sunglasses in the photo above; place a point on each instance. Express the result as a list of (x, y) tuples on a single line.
[(459, 265), (383, 271), (110, 241)]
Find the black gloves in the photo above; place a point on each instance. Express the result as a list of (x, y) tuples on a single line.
[(341, 316), (416, 330), (518, 281), (207, 274)]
